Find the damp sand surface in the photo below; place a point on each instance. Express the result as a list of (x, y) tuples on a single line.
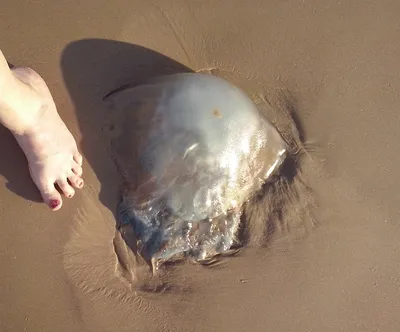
[(337, 62)]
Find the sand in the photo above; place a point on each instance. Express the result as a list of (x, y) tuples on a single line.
[(337, 59)]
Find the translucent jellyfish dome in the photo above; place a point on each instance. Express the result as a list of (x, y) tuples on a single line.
[(193, 149)]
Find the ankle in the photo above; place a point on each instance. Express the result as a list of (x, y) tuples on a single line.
[(19, 107), (5, 76)]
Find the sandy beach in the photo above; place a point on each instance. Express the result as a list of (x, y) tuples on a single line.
[(339, 60)]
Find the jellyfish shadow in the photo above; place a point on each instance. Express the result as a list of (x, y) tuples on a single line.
[(91, 69)]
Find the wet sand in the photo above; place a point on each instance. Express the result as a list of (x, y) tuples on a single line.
[(339, 61)]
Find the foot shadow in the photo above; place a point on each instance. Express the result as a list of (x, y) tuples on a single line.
[(14, 168), (91, 69)]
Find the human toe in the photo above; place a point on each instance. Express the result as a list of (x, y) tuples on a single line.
[(75, 181), (77, 169), (66, 188), (50, 195), (78, 158)]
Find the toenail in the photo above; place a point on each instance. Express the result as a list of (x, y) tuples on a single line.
[(54, 203)]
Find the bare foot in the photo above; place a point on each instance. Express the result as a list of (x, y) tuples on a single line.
[(50, 148)]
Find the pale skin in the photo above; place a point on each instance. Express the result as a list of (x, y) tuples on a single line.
[(28, 110)]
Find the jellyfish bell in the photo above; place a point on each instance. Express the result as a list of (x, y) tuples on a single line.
[(192, 149)]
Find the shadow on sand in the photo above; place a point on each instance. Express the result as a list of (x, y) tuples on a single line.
[(91, 69)]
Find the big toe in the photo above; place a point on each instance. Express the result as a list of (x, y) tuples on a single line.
[(50, 195)]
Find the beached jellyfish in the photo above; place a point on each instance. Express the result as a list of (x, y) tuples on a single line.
[(192, 149)]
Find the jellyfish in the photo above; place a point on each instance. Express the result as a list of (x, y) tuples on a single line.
[(192, 148)]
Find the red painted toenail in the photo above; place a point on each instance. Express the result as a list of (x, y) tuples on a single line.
[(54, 203)]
